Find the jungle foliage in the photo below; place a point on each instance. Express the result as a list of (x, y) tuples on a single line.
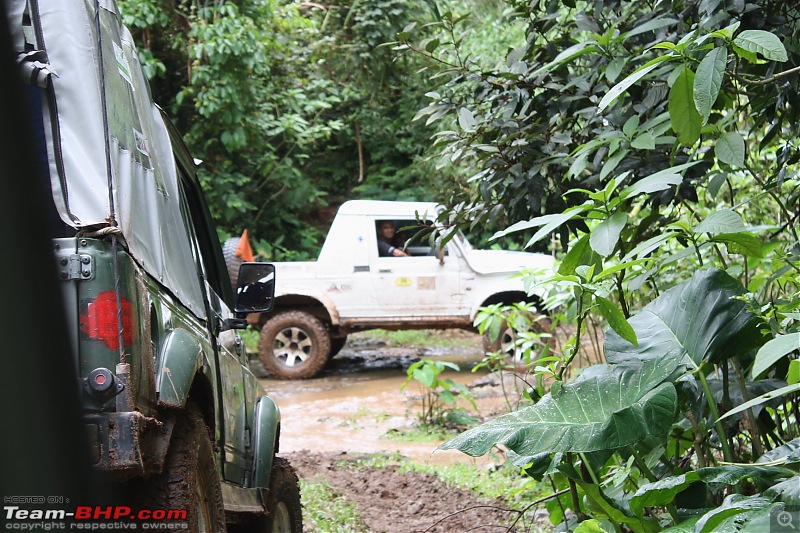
[(657, 140), (291, 107)]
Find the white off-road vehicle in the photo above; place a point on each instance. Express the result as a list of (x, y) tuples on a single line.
[(351, 287)]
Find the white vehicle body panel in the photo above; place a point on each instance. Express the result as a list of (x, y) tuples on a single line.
[(360, 289)]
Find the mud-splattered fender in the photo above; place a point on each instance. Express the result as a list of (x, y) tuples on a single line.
[(179, 359), (266, 420)]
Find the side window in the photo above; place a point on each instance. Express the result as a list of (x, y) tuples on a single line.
[(203, 233), (391, 239), (409, 235)]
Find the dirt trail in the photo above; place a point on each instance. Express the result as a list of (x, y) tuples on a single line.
[(330, 422), (402, 502)]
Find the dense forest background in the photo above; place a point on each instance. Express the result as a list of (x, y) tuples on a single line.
[(295, 107), (650, 144)]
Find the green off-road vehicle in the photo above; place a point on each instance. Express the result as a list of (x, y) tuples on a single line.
[(174, 417)]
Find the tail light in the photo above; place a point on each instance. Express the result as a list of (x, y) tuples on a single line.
[(100, 320)]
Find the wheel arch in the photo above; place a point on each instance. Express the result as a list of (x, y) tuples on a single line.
[(319, 306), (180, 358), (267, 422), (507, 298)]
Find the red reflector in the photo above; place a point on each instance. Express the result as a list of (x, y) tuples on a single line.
[(100, 379), (99, 322)]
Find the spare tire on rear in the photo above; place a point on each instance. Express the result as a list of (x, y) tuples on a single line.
[(232, 261)]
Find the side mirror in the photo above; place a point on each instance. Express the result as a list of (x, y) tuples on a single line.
[(255, 290)]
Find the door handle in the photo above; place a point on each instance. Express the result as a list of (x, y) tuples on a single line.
[(385, 270)]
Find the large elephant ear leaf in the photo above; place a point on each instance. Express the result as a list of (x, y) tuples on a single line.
[(700, 318), (603, 412)]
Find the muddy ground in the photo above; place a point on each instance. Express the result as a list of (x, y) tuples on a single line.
[(402, 502), (330, 422)]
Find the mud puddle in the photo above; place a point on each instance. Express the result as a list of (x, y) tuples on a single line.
[(357, 405)]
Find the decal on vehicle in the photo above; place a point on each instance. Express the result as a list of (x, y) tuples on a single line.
[(403, 282), (426, 283), (122, 65)]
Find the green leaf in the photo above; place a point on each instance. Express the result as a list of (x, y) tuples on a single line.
[(645, 141), (616, 319), (793, 375), (622, 86), (708, 80), (658, 181), (425, 375), (686, 121), (762, 42), (741, 243), (722, 221), (687, 526), (466, 119), (605, 235), (548, 222), (773, 351), (579, 254), (786, 491), (789, 452), (603, 412), (604, 508), (752, 57), (730, 149), (783, 391), (650, 25), (589, 526), (630, 126), (574, 51), (661, 492), (734, 504), (699, 318)]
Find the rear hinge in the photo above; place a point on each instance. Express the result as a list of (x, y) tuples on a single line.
[(75, 266)]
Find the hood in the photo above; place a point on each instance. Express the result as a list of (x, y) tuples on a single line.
[(506, 262)]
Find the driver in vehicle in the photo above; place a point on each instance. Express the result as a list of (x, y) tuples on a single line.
[(387, 245)]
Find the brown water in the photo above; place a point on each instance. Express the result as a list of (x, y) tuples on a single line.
[(357, 403)]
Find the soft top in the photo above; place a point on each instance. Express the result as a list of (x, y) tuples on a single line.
[(111, 163)]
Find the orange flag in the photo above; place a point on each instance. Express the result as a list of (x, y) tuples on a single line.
[(243, 250)]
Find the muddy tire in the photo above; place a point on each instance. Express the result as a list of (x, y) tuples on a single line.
[(284, 511), (232, 261), (336, 346), (294, 345), (506, 343), (189, 479)]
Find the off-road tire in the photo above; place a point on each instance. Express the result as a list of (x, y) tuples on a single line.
[(284, 511), (232, 261), (506, 339), (294, 345), (190, 477), (336, 346)]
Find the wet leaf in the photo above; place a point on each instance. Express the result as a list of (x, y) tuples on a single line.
[(699, 318), (604, 412)]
